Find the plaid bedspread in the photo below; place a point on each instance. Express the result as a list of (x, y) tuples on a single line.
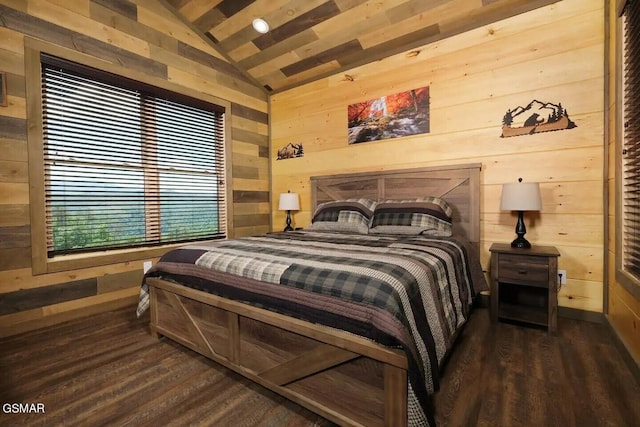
[(411, 292)]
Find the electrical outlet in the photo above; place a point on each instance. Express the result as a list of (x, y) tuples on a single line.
[(562, 277), (146, 266)]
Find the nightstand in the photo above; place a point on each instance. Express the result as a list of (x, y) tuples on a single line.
[(524, 284)]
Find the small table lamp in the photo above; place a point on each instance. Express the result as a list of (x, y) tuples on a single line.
[(520, 197), (289, 202)]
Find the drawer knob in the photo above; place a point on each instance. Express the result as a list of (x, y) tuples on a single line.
[(522, 271)]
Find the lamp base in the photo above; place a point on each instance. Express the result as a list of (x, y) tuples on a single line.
[(521, 242), (521, 230), (288, 227)]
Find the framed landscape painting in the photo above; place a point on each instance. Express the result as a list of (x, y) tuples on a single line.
[(391, 116)]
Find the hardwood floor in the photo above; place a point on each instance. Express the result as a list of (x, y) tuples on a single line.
[(509, 375), (107, 370)]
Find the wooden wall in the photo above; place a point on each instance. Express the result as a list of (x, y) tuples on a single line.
[(141, 32), (552, 54), (623, 308)]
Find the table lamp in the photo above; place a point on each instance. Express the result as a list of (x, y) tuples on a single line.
[(520, 197), (289, 202)]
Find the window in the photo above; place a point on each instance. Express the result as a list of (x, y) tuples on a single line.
[(127, 164), (630, 138)]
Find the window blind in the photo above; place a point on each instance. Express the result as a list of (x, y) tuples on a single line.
[(631, 142), (127, 164)]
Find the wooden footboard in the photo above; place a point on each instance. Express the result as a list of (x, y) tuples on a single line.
[(342, 377)]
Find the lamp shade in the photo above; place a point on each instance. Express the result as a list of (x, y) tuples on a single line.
[(521, 196), (289, 202)]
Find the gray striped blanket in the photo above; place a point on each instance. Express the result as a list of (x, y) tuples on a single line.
[(411, 292)]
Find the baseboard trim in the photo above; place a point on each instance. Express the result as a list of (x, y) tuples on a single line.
[(632, 363), (65, 316), (592, 316), (584, 315)]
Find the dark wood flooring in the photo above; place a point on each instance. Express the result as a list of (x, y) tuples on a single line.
[(107, 370)]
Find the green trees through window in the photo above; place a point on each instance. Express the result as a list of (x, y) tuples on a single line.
[(126, 167)]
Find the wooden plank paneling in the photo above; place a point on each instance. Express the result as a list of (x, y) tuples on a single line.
[(283, 52), (241, 196), (249, 113), (13, 128), (209, 19), (250, 137), (252, 220), (15, 237), (252, 230), (14, 193), (13, 149), (164, 21), (298, 46), (11, 171), (250, 184), (143, 38), (252, 208), (313, 17), (14, 215), (193, 10), (118, 281), (120, 7), (224, 89), (42, 29), (18, 279), (211, 61), (29, 299), (15, 258), (348, 49), (110, 17), (474, 78), (16, 90), (10, 62), (246, 172)]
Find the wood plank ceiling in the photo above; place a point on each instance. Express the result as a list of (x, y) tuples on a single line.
[(310, 39)]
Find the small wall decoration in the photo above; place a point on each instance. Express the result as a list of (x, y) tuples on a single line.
[(3, 89), (390, 116), (290, 151), (532, 119)]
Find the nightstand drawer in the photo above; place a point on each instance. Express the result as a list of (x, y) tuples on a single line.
[(532, 269), (523, 284)]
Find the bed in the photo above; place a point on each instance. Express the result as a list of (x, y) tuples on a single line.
[(336, 320)]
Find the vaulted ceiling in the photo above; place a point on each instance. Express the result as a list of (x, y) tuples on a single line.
[(310, 39)]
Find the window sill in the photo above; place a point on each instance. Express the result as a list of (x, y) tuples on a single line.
[(628, 282), (96, 259)]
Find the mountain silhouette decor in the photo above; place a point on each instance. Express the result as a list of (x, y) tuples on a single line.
[(530, 119), (290, 151)]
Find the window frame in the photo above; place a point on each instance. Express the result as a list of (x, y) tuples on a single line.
[(40, 263), (627, 280)]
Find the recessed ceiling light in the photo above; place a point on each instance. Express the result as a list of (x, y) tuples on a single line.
[(260, 25)]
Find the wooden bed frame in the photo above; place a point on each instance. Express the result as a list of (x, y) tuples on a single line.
[(345, 378)]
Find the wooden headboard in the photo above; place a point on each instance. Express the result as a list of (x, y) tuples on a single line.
[(459, 185)]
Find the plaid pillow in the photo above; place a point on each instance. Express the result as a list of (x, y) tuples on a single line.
[(428, 216), (350, 215)]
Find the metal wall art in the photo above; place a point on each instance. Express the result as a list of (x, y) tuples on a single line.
[(536, 117), (290, 151)]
